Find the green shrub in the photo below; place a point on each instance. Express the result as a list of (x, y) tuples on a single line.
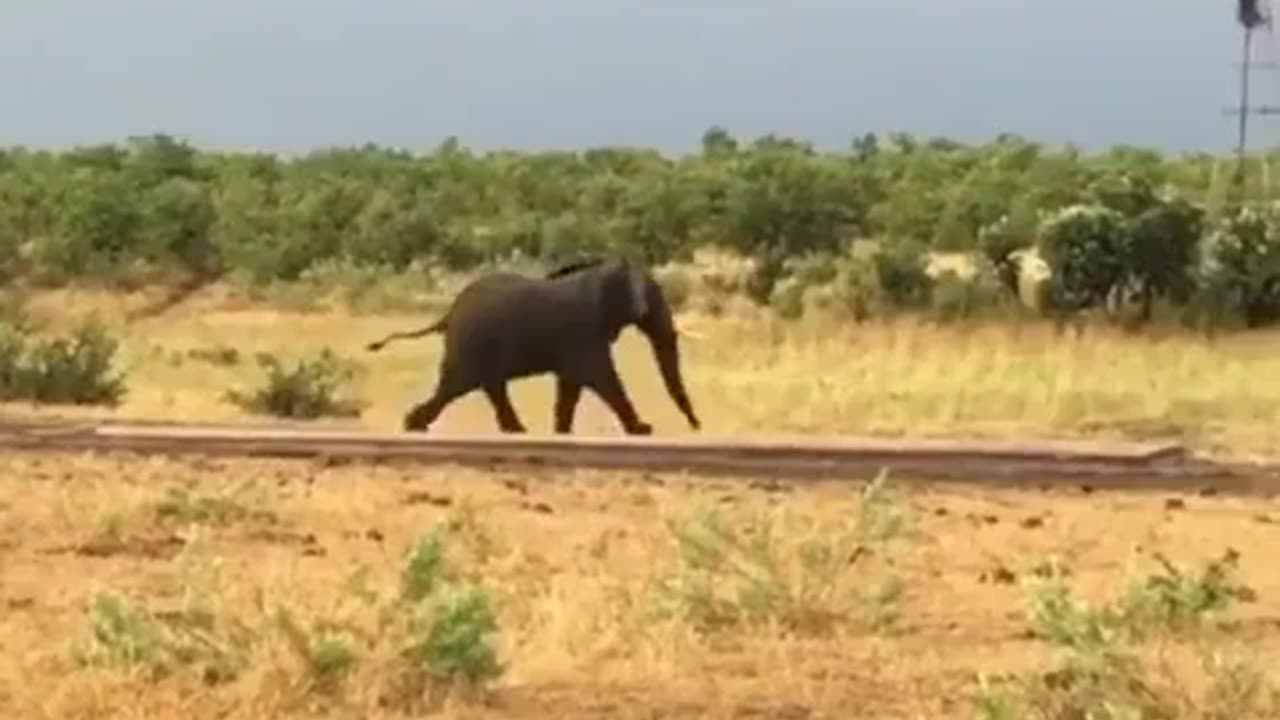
[(1238, 273), (450, 621), (776, 568), (1162, 242), (857, 289), (1084, 246), (310, 389), (328, 654), (1105, 670), (76, 369), (425, 569), (453, 636), (160, 644), (902, 276)]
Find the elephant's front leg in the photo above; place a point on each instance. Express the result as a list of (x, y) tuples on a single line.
[(508, 421), (567, 393), (599, 374)]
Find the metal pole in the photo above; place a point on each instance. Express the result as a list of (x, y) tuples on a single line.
[(1244, 104)]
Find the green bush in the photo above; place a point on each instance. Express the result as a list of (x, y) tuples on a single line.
[(857, 288), (901, 275), (450, 621), (776, 568), (1084, 246), (1238, 274), (76, 369), (128, 637), (452, 636), (311, 388), (1104, 669), (1160, 254)]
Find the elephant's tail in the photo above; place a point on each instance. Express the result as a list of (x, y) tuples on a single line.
[(437, 326)]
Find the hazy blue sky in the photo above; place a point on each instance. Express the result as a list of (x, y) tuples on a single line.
[(295, 74)]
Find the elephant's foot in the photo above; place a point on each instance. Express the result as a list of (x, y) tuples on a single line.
[(415, 421), (640, 427)]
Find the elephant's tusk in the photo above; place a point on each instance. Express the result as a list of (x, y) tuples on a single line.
[(692, 334)]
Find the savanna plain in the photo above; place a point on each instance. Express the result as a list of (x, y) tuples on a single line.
[(151, 587)]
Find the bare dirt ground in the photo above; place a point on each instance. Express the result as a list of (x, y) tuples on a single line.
[(570, 560)]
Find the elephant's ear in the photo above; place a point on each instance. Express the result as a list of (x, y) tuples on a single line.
[(639, 286)]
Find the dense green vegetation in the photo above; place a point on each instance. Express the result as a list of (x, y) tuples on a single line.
[(1163, 230)]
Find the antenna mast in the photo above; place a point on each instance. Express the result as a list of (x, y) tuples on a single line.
[(1250, 17)]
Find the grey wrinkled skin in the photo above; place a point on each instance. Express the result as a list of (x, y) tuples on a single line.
[(504, 326)]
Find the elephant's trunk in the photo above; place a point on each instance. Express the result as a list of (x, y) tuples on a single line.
[(660, 329), (668, 356)]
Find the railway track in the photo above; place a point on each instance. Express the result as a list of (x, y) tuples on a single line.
[(1098, 465)]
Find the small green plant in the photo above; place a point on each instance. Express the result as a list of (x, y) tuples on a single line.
[(309, 389), (452, 636), (424, 571), (450, 622), (123, 636), (327, 653)]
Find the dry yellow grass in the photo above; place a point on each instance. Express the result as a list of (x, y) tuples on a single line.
[(751, 375), (569, 559)]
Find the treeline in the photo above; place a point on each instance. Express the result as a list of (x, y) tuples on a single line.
[(1129, 221)]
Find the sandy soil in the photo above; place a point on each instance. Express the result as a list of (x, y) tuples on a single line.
[(569, 559)]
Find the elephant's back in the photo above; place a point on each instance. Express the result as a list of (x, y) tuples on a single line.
[(492, 303)]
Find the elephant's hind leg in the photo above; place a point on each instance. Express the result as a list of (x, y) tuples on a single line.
[(451, 386), (505, 414)]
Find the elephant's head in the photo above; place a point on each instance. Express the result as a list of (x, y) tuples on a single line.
[(632, 296)]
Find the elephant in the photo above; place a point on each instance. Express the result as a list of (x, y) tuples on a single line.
[(504, 326)]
